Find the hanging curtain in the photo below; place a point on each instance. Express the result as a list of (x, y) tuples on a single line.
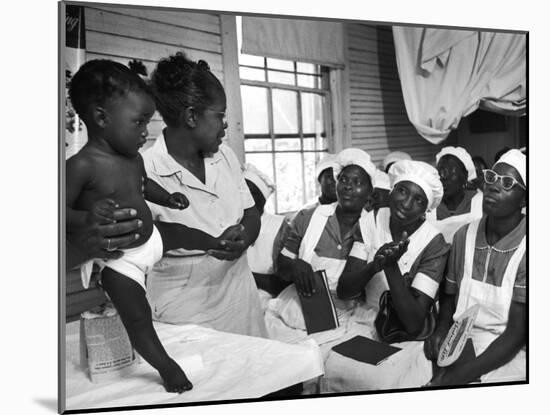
[(311, 41), (75, 56), (447, 74)]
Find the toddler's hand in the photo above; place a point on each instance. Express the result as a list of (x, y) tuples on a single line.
[(178, 201), (175, 379)]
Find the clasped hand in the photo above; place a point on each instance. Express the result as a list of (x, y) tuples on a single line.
[(231, 244)]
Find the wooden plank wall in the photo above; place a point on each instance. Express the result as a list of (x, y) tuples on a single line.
[(379, 122), (124, 33)]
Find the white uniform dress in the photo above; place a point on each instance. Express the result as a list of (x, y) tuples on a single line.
[(190, 286)]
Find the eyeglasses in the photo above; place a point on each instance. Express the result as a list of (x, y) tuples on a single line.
[(507, 182)]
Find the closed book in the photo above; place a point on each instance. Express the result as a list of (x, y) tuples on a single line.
[(365, 350), (318, 309)]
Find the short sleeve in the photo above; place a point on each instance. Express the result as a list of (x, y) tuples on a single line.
[(520, 285), (431, 266), (296, 232), (358, 248), (237, 171), (279, 241)]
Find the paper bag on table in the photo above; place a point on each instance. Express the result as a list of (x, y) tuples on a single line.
[(105, 348)]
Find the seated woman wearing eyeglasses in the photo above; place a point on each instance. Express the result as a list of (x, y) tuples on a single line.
[(459, 205), (487, 267)]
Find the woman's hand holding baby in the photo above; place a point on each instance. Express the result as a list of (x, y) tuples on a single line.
[(106, 229)]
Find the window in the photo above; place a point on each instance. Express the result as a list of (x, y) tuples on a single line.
[(286, 121)]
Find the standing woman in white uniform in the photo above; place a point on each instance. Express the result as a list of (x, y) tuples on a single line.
[(214, 289), (459, 205), (487, 267)]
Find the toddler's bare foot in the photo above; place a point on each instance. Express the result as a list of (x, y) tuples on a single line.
[(175, 379)]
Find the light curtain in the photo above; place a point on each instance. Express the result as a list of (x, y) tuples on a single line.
[(311, 41), (447, 74)]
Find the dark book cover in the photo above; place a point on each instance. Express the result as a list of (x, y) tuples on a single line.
[(318, 309), (365, 350)]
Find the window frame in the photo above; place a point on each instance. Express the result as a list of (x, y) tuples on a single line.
[(324, 91)]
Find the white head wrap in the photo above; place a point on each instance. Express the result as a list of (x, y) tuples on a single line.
[(381, 180), (326, 162), (395, 156), (463, 156), (264, 183), (355, 156), (423, 175), (517, 160)]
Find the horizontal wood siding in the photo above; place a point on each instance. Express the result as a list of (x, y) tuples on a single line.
[(379, 122), (124, 33)]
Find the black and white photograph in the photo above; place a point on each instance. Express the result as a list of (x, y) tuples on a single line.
[(261, 209), (268, 207)]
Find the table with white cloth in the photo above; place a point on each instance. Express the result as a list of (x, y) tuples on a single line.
[(221, 366)]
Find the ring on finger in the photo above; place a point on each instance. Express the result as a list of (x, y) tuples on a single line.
[(109, 245)]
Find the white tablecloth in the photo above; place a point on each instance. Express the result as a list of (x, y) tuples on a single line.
[(221, 366)]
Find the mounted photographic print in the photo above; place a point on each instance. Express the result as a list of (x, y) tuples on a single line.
[(221, 171)]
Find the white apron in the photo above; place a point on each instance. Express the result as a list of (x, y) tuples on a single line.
[(379, 233), (406, 369), (287, 304), (450, 225), (495, 303), (260, 254)]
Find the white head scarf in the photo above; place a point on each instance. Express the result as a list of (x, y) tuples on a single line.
[(326, 162), (423, 175), (381, 180), (461, 154), (395, 156), (517, 160), (264, 183), (355, 156)]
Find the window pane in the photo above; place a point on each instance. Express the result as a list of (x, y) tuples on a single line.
[(264, 163), (252, 74), (255, 119), (321, 143), (308, 81), (289, 181), (281, 77), (310, 160), (285, 144), (257, 144), (312, 113), (285, 112), (251, 60), (309, 143), (307, 67), (280, 64)]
